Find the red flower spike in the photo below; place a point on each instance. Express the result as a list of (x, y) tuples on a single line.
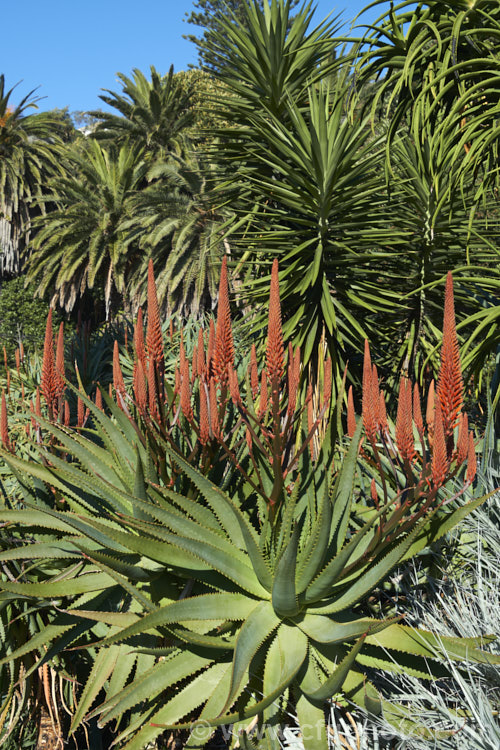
[(154, 337), (153, 407), (66, 413), (118, 383), (275, 349), (214, 414), (417, 410), (80, 412), (404, 422), (210, 351), (351, 416), (463, 440), (223, 358), (140, 349), (204, 424), (254, 372), (177, 381), (450, 384), (140, 388), (370, 405), (263, 402), (439, 465), (186, 391), (471, 460), (373, 492), (98, 398), (4, 425), (48, 380), (60, 372), (18, 362)]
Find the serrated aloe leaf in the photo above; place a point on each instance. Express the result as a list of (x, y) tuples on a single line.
[(313, 554), (222, 643), (311, 718), (325, 630), (32, 517), (322, 585), (150, 683), (124, 665), (368, 580), (102, 667), (217, 500), (54, 589), (122, 581), (140, 490), (361, 692), (60, 549), (284, 596), (258, 626), (423, 643), (139, 572), (219, 686), (37, 642), (401, 663), (333, 684), (218, 607), (440, 526), (342, 495), (291, 670), (192, 508), (118, 619)]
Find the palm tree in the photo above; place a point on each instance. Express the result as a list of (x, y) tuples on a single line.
[(82, 243), (153, 114), (180, 227), (28, 155)]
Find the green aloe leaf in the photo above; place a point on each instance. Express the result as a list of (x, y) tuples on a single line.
[(284, 597), (325, 630), (334, 683)]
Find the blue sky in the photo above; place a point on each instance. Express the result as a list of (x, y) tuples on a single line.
[(70, 50)]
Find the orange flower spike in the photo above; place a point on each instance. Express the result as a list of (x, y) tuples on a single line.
[(154, 337), (439, 465), (214, 414), (80, 412), (404, 422), (48, 380), (210, 350), (152, 396), (204, 424), (263, 403), (4, 425), (98, 398), (351, 416), (254, 372), (275, 349), (369, 406), (450, 383), (463, 440), (66, 413), (60, 372), (18, 362), (140, 349), (417, 410), (118, 383), (471, 460), (224, 348), (140, 388)]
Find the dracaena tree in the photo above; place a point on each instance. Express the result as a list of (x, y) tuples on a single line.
[(210, 596)]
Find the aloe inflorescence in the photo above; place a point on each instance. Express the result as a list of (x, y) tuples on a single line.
[(246, 587)]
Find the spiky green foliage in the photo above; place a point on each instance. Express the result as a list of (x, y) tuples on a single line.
[(81, 242), (153, 113)]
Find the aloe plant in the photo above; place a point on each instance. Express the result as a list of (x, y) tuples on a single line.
[(219, 601)]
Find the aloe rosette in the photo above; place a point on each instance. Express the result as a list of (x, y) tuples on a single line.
[(216, 604)]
